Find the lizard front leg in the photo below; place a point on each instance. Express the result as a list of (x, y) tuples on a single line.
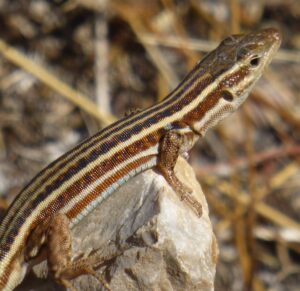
[(169, 150)]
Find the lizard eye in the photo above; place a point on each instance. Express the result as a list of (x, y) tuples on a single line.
[(254, 62), (226, 95)]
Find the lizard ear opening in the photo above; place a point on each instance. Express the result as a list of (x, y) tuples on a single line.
[(254, 61), (227, 95)]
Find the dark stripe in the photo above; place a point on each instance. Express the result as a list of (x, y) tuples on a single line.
[(212, 99), (183, 101), (76, 210), (103, 148), (12, 209), (105, 184), (81, 184)]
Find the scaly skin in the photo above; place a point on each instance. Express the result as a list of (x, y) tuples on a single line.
[(72, 186)]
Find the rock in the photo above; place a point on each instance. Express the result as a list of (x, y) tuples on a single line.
[(161, 244)]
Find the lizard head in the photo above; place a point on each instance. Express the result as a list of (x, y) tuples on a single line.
[(231, 69), (246, 56)]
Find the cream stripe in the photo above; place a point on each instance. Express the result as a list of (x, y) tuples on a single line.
[(84, 144), (151, 151), (149, 164), (176, 116), (4, 229), (208, 116)]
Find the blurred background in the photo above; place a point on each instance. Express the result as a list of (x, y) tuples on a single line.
[(69, 68)]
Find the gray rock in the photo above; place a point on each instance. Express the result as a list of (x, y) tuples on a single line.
[(161, 244)]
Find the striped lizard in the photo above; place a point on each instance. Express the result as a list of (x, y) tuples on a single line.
[(63, 193)]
